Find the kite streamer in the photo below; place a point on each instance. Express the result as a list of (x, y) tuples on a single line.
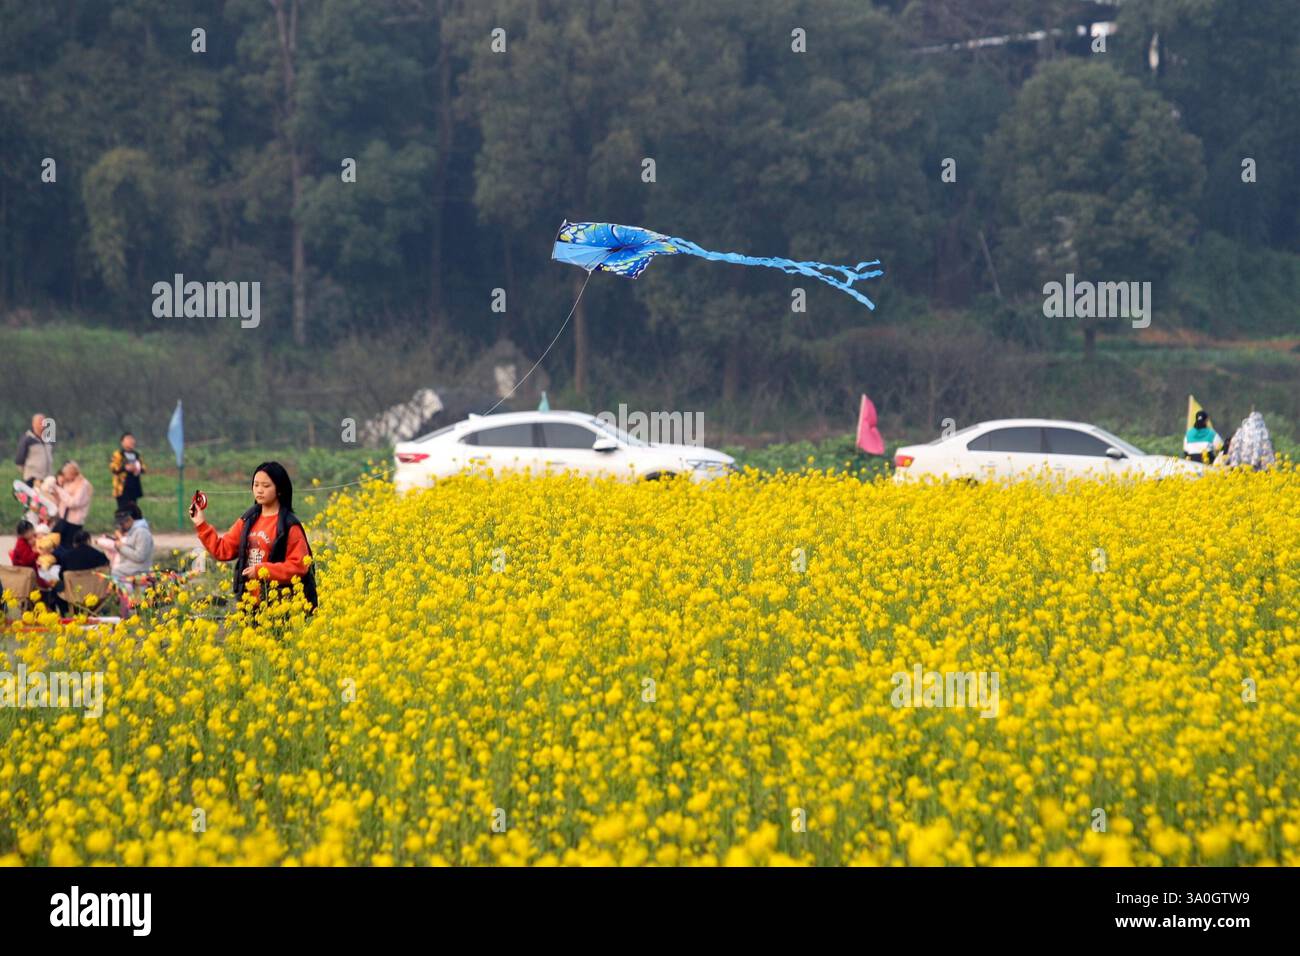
[(627, 250)]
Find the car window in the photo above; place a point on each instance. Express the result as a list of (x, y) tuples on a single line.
[(1070, 441), (567, 435), (1028, 439), (503, 436)]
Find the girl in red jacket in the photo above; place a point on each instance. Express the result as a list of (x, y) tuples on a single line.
[(268, 536), (23, 554)]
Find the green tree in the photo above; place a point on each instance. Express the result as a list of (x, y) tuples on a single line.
[(449, 28), (361, 233), (137, 214), (553, 109), (362, 97), (80, 84), (1232, 67), (781, 130), (270, 59), (34, 250), (1094, 176)]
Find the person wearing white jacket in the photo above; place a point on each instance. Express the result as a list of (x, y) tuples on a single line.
[(134, 543)]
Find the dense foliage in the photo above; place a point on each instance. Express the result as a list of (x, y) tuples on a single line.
[(816, 129)]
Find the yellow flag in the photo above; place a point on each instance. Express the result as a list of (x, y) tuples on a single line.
[(1193, 406)]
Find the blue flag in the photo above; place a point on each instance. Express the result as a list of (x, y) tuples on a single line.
[(176, 435)]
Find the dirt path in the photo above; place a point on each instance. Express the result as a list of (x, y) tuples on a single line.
[(163, 542), (1192, 338)]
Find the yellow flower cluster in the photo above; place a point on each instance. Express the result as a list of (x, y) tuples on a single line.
[(559, 671)]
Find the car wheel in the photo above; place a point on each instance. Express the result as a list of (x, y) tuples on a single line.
[(657, 475)]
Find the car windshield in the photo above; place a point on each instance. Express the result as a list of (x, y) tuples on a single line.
[(434, 434), (1126, 447), (618, 433), (943, 438)]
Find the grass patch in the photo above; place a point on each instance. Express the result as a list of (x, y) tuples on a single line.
[(224, 475)]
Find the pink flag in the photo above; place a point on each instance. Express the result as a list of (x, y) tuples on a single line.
[(869, 438)]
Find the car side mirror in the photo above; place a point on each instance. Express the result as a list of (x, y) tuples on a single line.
[(1113, 452), (604, 444)]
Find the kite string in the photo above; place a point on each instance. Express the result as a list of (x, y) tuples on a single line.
[(563, 326)]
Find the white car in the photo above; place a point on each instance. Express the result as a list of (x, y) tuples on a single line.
[(548, 441), (1016, 448)]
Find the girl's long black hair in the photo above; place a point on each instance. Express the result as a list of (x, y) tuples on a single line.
[(280, 478)]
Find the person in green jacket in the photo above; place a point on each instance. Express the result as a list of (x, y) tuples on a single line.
[(1202, 443)]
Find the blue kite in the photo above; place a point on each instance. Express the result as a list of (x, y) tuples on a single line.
[(627, 250)]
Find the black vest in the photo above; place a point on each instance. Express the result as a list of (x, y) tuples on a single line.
[(279, 547)]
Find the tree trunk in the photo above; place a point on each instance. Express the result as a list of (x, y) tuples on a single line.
[(299, 261), (731, 357), (988, 260), (731, 375), (1089, 341), (932, 397), (508, 262), (952, 273), (580, 345), (6, 270), (286, 22), (446, 131), (579, 337)]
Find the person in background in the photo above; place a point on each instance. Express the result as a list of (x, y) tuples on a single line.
[(267, 537), (139, 519), (23, 553), (134, 542), (1251, 446), (1202, 443), (126, 466), (72, 493), (79, 555), (35, 458)]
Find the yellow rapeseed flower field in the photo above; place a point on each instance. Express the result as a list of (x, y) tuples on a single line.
[(559, 671)]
